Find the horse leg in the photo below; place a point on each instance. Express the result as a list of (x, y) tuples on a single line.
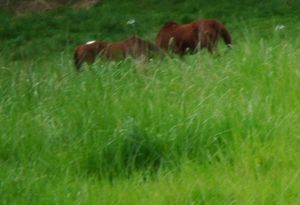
[(78, 64)]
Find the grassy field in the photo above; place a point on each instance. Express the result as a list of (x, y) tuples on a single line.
[(199, 130)]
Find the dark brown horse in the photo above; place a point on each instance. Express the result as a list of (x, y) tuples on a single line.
[(183, 38), (134, 47)]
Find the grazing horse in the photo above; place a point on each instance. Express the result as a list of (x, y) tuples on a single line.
[(88, 52), (134, 47), (184, 38)]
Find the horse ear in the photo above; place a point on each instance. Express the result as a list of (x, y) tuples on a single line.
[(170, 23)]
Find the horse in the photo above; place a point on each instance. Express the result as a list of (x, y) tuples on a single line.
[(134, 47), (88, 52), (191, 37)]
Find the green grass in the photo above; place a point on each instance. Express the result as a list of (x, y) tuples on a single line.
[(198, 130)]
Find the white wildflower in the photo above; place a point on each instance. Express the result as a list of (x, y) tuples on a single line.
[(131, 21), (279, 27)]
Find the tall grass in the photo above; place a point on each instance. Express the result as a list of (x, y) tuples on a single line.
[(208, 130), (197, 130)]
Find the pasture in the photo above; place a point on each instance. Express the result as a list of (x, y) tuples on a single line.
[(195, 130)]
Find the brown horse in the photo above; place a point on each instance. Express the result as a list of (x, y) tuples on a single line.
[(183, 38), (88, 52), (134, 47)]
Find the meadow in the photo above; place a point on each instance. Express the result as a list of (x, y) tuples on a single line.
[(198, 130)]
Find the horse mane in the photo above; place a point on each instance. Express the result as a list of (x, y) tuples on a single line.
[(169, 24)]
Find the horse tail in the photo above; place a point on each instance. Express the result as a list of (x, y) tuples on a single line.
[(77, 60), (225, 35)]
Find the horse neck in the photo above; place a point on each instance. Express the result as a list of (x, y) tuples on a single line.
[(100, 46)]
